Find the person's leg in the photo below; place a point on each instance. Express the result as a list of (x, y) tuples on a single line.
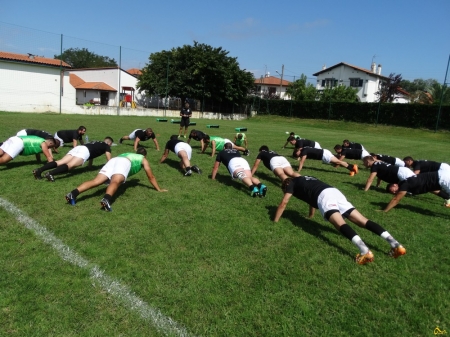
[(181, 130), (5, 158), (185, 163), (98, 180), (336, 162), (115, 181), (365, 255), (280, 173), (288, 171), (186, 130), (360, 220)]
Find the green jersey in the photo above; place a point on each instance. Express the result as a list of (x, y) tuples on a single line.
[(136, 162), (240, 142), (220, 142), (31, 145)]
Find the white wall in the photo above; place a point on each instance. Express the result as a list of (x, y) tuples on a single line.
[(366, 93), (32, 88)]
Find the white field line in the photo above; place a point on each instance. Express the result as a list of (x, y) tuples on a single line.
[(163, 324)]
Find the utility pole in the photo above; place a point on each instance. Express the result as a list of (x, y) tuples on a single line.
[(281, 81)]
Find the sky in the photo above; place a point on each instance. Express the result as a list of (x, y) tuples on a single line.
[(406, 37)]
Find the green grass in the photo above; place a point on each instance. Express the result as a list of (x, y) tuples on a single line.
[(207, 255)]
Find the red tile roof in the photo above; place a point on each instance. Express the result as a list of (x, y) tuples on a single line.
[(367, 71), (134, 71), (78, 83), (34, 59), (271, 80)]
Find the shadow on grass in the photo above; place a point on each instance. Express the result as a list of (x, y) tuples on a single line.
[(268, 177), (99, 191), (316, 229), (227, 180), (175, 164), (14, 164), (413, 209), (337, 170)]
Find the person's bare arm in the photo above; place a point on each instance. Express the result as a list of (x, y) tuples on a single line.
[(395, 200), (370, 180), (255, 166), (75, 142), (203, 145), (150, 176), (311, 211), (302, 161), (46, 151), (91, 161), (164, 156), (215, 169), (282, 206), (136, 142), (156, 144), (213, 145)]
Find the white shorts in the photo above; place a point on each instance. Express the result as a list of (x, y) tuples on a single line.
[(184, 147), (133, 134), (80, 151), (279, 162), (364, 153), (13, 146), (317, 145), (117, 165), (444, 166), (22, 133), (60, 140), (238, 164), (444, 180), (226, 140), (333, 199), (327, 155), (404, 173), (399, 162)]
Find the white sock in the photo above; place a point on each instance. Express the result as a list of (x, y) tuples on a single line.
[(363, 249)]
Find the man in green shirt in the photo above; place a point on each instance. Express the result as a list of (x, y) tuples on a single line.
[(115, 172), (217, 144), (26, 146)]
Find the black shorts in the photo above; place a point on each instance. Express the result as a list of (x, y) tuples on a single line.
[(184, 121)]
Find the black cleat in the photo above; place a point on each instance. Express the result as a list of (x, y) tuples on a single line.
[(195, 168), (49, 177), (37, 174)]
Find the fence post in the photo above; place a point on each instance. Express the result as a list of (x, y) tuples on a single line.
[(61, 76)]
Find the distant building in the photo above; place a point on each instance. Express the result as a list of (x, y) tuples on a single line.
[(269, 86), (366, 81)]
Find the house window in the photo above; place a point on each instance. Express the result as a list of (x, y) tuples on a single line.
[(272, 90), (356, 82), (329, 82), (258, 88)]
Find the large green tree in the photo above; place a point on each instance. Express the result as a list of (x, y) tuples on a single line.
[(299, 90), (83, 58), (196, 71), (417, 84), (340, 93), (438, 91)]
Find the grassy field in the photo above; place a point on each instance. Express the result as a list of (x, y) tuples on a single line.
[(205, 256)]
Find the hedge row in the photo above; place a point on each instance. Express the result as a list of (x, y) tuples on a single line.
[(406, 115)]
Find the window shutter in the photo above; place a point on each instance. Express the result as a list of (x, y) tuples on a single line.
[(360, 83), (323, 83)]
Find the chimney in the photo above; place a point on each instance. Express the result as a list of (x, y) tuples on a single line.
[(379, 69), (324, 67), (373, 68)]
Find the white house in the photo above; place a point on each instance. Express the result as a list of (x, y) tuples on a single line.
[(32, 83), (270, 86), (366, 81)]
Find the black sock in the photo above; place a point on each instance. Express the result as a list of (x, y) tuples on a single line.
[(75, 193), (251, 187), (349, 167), (374, 227), (347, 231), (60, 169), (48, 166), (188, 168), (443, 195), (259, 185), (107, 197)]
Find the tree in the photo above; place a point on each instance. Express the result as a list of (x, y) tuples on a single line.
[(83, 58), (437, 91), (300, 91), (340, 93), (198, 71), (417, 84), (389, 89)]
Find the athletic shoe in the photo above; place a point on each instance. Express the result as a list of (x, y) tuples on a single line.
[(37, 174), (352, 173), (179, 136), (188, 173), (105, 205), (49, 177), (246, 153), (263, 190), (195, 168), (255, 192), (363, 259), (70, 199), (447, 203), (120, 141), (355, 169), (184, 136), (397, 251)]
